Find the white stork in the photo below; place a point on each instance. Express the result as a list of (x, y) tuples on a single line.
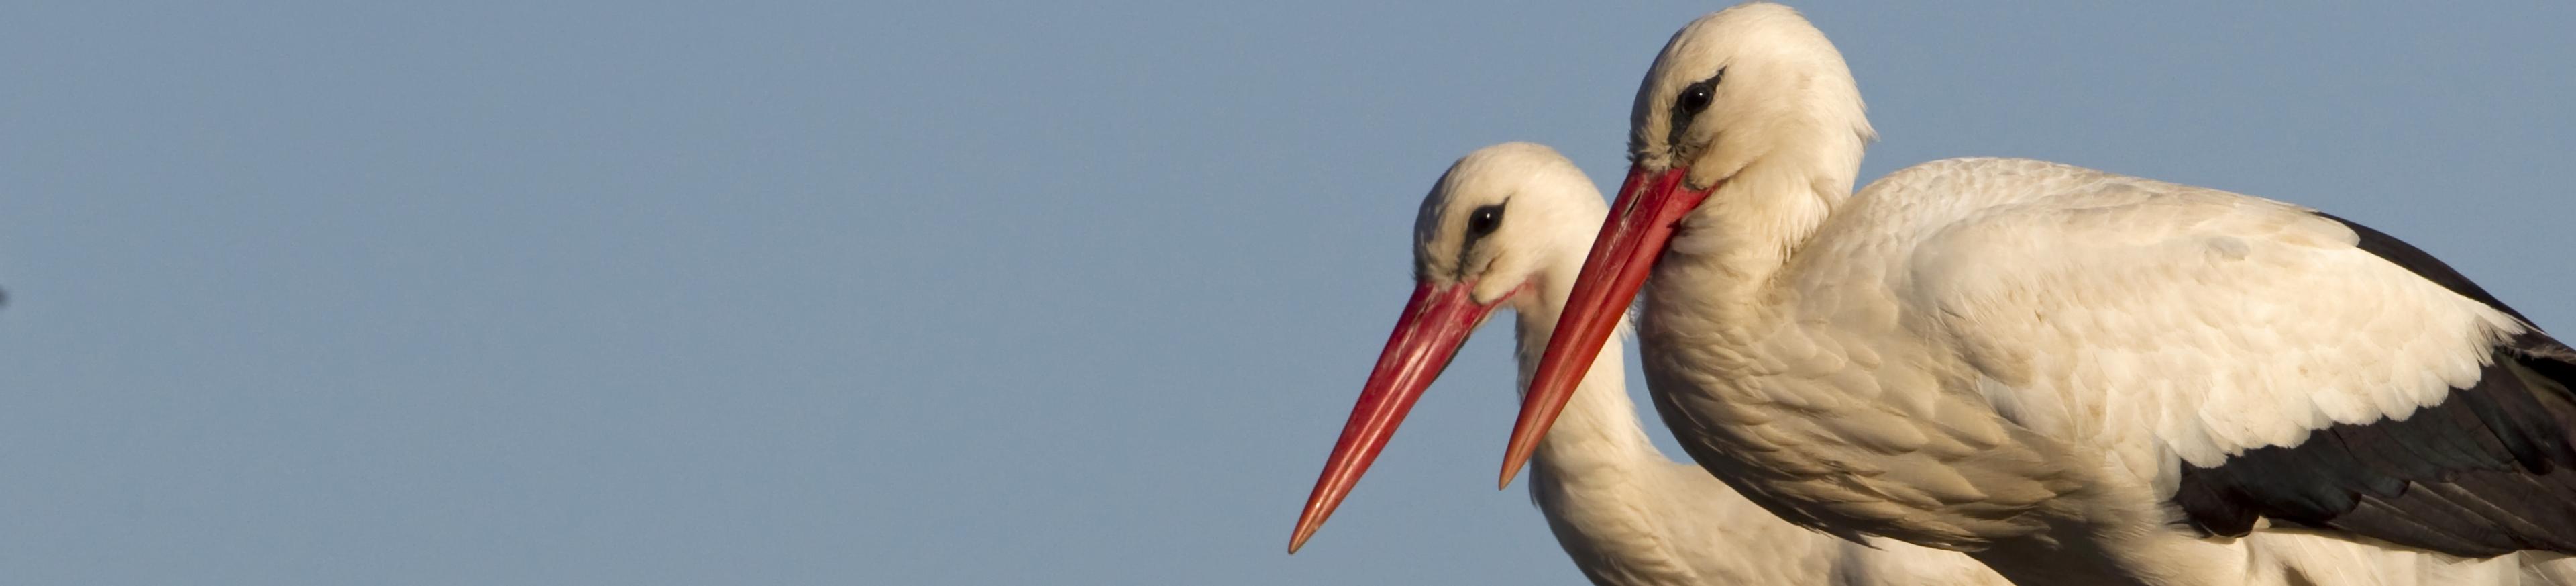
[(1507, 226), (2076, 376)]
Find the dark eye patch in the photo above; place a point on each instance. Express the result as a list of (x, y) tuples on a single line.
[(1480, 223), (1687, 105)]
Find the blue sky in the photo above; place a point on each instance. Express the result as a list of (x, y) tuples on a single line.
[(967, 293)]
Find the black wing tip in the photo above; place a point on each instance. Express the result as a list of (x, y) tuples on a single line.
[(2488, 471)]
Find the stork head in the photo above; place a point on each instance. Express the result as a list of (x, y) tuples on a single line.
[(1745, 133), (1501, 220), (1742, 86)]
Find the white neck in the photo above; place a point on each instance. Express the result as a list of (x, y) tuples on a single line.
[(1762, 214), (1598, 428), (1769, 201)]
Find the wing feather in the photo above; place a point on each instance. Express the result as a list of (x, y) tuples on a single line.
[(2300, 367)]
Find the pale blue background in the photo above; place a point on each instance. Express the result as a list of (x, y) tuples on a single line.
[(966, 293)]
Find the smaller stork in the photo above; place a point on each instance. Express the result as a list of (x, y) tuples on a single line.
[(1508, 225)]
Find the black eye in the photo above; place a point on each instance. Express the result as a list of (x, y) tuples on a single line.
[(1688, 104), (1693, 99), (1485, 220), (1696, 97)]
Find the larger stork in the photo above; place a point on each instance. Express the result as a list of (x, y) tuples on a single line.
[(2073, 375), (1507, 227)]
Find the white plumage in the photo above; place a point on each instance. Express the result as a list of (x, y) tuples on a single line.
[(1625, 514), (2078, 376), (2233, 323)]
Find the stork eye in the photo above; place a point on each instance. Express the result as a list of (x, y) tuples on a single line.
[(1696, 97), (1485, 220), (1693, 99)]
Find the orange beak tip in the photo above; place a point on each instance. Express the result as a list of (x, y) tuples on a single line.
[(1428, 334), (1512, 461)]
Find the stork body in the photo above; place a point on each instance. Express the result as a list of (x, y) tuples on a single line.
[(2077, 376), (1982, 436), (1507, 226)]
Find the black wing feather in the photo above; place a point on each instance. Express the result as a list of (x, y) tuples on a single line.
[(2489, 471)]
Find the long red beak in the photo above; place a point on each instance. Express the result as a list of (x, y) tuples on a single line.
[(1435, 322), (1640, 223)]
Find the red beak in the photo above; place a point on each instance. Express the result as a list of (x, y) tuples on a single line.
[(1435, 322), (1641, 222)]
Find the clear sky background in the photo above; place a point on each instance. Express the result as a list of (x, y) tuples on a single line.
[(968, 292)]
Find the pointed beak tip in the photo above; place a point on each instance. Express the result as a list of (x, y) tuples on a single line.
[(1305, 530), (1434, 323), (1307, 524)]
